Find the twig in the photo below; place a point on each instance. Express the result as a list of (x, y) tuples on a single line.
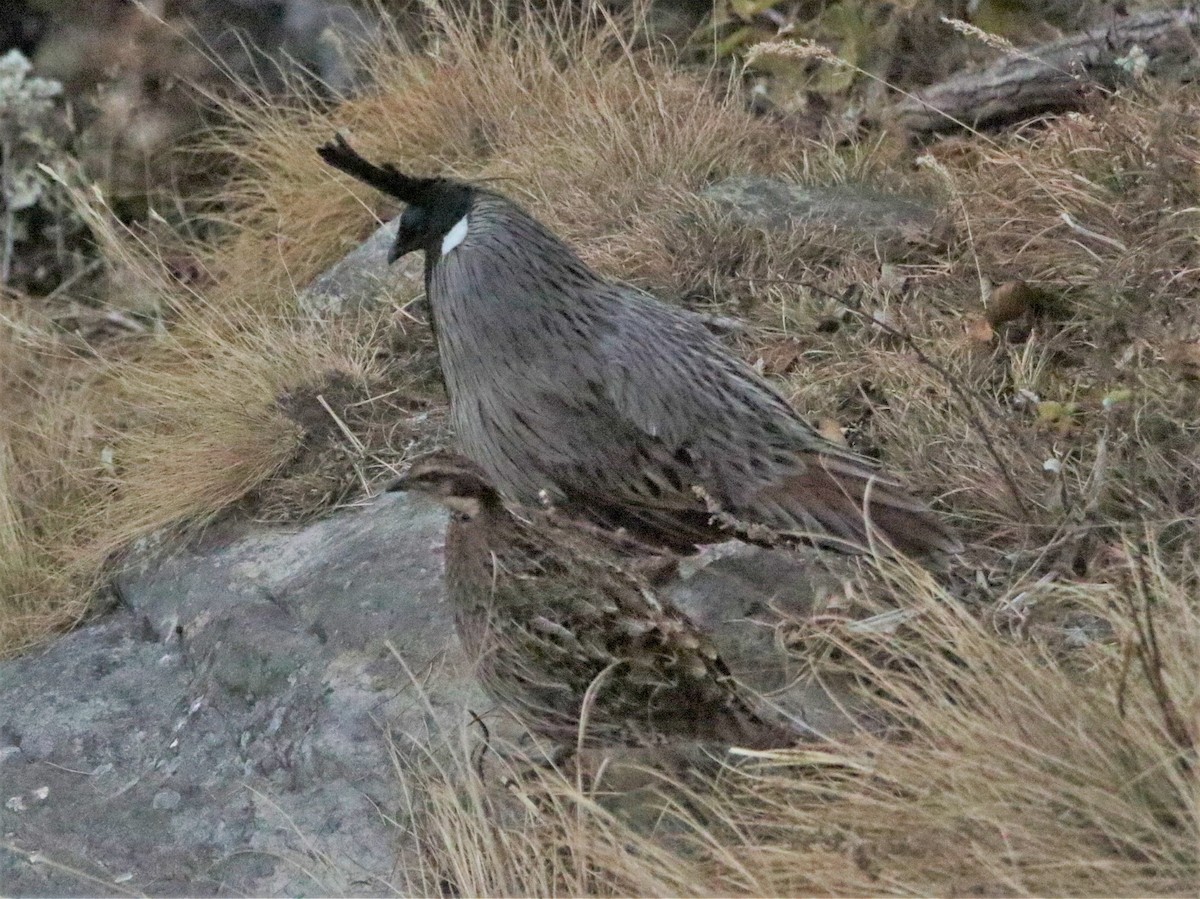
[(1149, 656), (1059, 75), (1087, 232), (354, 441), (106, 885)]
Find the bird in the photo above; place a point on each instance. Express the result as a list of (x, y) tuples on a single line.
[(616, 405), (571, 638)]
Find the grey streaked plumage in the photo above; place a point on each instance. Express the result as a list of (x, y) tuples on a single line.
[(569, 387), (557, 619)]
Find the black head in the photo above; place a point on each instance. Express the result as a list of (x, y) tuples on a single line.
[(453, 480), (425, 227), (435, 205)]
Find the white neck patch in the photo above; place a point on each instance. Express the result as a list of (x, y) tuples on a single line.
[(455, 236)]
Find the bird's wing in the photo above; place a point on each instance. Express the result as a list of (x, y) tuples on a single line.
[(702, 416), (658, 358), (708, 420)]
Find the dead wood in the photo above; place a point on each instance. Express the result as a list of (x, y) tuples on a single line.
[(1060, 75)]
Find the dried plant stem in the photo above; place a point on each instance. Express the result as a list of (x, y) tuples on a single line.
[(1147, 650)]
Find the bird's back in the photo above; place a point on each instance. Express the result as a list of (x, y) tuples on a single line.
[(554, 615)]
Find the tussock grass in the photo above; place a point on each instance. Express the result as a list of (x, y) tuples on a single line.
[(42, 589), (603, 144), (176, 432), (229, 409), (547, 835)]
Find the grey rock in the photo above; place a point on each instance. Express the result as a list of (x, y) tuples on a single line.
[(234, 727), (742, 595), (895, 224), (230, 731), (363, 278), (167, 799)]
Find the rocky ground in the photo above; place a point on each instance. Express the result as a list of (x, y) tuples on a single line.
[(233, 725), (228, 726)]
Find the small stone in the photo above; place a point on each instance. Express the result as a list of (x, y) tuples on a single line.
[(166, 799), (895, 225)]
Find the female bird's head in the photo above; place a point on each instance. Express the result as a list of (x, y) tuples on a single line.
[(453, 480)]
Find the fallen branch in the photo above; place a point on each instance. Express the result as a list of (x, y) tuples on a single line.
[(1061, 75)]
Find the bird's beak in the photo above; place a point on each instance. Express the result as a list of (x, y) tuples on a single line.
[(406, 241), (399, 484)]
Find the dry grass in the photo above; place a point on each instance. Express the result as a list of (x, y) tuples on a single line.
[(1029, 759), (1096, 212), (176, 431), (42, 590), (603, 145), (229, 408), (1045, 748), (1014, 768)]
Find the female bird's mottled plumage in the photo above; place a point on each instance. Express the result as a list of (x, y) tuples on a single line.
[(563, 628), (612, 404)]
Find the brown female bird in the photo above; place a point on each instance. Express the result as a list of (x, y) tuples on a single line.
[(613, 404), (570, 638)]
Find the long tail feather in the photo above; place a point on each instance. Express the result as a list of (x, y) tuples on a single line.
[(849, 502)]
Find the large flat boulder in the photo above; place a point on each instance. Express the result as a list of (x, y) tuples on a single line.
[(228, 730)]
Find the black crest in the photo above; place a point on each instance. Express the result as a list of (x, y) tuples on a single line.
[(435, 205)]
